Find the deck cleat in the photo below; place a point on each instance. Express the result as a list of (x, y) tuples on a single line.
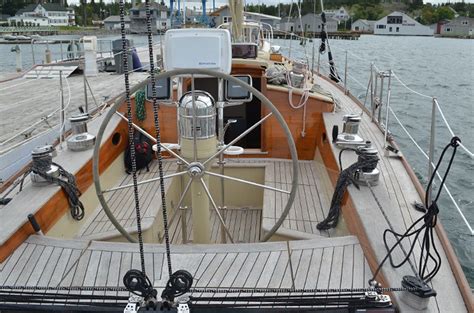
[(418, 292), (378, 299)]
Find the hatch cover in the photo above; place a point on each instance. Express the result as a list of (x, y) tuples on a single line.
[(50, 71)]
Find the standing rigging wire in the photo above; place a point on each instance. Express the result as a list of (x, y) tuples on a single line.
[(158, 136), (322, 48), (303, 39)]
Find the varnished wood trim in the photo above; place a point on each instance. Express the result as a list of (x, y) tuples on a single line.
[(298, 92), (273, 137)]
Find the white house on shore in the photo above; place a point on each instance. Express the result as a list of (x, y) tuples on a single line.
[(158, 15), (310, 23), (341, 14), (113, 22), (222, 15), (46, 14), (459, 27), (271, 20), (398, 23), (363, 26)]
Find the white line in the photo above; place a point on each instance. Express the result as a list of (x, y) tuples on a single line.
[(439, 176)]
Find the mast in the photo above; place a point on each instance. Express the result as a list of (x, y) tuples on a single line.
[(171, 13), (237, 13), (204, 16)]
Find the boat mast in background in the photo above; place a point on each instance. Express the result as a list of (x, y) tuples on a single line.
[(237, 13)]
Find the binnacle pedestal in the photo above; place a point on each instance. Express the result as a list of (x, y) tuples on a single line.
[(198, 141)]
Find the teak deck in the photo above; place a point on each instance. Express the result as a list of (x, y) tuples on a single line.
[(121, 203), (319, 263), (311, 204)]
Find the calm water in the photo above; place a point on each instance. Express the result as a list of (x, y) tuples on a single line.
[(434, 66)]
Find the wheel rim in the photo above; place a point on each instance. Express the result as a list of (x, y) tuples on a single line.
[(264, 100)]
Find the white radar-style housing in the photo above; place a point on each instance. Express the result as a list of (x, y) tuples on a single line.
[(198, 48)]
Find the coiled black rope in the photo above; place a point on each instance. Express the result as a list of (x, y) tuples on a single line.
[(68, 185), (139, 284), (178, 284), (346, 177), (428, 222)]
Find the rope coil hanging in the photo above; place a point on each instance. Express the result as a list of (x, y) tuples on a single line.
[(346, 177), (428, 222), (68, 185)]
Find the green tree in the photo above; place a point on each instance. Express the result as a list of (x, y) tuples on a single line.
[(470, 11), (444, 13), (415, 5), (358, 12), (428, 15), (10, 7)]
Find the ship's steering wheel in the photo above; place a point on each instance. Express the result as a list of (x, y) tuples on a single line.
[(208, 73)]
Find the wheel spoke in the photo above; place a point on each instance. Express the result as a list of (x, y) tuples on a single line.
[(185, 191), (141, 130), (216, 209), (147, 181), (187, 72), (194, 120), (238, 138), (247, 182)]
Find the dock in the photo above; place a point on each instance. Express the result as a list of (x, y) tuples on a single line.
[(35, 116), (345, 35)]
